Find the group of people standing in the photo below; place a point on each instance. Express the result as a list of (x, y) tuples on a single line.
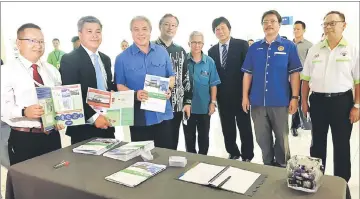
[(261, 81)]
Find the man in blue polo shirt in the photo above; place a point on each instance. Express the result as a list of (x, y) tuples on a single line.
[(267, 67), (203, 74), (131, 67)]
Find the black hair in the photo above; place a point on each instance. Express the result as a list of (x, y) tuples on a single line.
[(25, 26), (220, 20)]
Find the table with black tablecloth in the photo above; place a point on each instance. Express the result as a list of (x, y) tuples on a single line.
[(84, 178)]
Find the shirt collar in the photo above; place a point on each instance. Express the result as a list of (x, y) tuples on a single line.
[(135, 49), (203, 57), (227, 43), (277, 39), (90, 52), (28, 64), (301, 41), (161, 42), (342, 42)]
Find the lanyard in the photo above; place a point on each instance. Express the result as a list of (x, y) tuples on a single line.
[(57, 57)]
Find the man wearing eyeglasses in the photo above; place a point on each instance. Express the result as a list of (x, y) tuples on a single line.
[(19, 102), (229, 55), (203, 74), (331, 70), (55, 56), (267, 68), (181, 93)]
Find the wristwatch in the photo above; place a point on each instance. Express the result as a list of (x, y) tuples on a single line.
[(214, 102), (295, 97), (357, 105), (23, 112)]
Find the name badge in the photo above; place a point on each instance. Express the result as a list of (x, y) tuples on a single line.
[(279, 53), (204, 73)]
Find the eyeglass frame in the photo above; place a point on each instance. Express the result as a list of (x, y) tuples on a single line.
[(197, 42), (331, 23), (267, 22), (33, 41)]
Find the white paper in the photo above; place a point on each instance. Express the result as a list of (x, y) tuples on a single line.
[(239, 182), (202, 173)]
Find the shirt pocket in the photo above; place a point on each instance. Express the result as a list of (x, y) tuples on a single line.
[(157, 64), (281, 59), (343, 64), (134, 68), (204, 78), (318, 69)]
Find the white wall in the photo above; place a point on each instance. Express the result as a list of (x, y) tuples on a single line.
[(58, 19)]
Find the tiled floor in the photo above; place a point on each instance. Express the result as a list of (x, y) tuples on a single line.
[(298, 145)]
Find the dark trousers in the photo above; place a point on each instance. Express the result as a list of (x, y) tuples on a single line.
[(98, 133), (295, 120), (333, 111), (201, 122), (23, 145), (229, 117), (175, 128), (159, 133)]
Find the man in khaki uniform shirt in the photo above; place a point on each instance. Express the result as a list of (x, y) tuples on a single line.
[(331, 70)]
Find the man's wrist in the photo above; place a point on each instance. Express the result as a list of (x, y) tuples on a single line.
[(23, 112), (357, 105)]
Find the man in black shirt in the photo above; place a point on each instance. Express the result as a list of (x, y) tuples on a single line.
[(182, 93)]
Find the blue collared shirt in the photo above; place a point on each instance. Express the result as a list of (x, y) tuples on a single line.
[(204, 76), (270, 66), (131, 67)]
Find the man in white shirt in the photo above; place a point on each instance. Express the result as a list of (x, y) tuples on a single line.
[(19, 103), (331, 70)]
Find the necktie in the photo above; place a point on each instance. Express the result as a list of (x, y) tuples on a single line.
[(36, 75), (99, 75), (224, 55), (38, 79)]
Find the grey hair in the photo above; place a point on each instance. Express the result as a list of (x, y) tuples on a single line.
[(140, 18), (87, 19), (196, 33)]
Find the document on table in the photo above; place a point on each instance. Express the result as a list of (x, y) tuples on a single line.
[(223, 177), (156, 87), (239, 182)]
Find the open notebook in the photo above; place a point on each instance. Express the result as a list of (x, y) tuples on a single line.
[(224, 177), (136, 173)]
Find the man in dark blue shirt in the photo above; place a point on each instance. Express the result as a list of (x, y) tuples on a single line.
[(267, 67), (131, 67)]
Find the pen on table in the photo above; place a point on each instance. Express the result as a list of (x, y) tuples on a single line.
[(61, 164), (223, 182)]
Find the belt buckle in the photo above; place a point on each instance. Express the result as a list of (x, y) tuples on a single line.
[(327, 94)]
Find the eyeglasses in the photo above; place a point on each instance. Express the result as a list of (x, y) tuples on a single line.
[(170, 25), (266, 22), (197, 43), (33, 41), (331, 23)]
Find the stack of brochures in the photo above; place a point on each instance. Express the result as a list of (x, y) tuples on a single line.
[(136, 173), (130, 150), (97, 146), (224, 177)]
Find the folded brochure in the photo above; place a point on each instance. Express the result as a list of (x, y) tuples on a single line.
[(129, 150), (136, 173), (97, 146)]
